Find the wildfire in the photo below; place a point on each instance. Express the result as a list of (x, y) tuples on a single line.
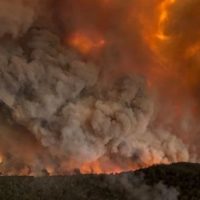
[(86, 43), (131, 39)]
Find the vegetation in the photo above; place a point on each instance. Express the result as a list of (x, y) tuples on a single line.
[(184, 176)]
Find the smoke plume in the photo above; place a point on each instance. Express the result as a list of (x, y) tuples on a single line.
[(78, 89)]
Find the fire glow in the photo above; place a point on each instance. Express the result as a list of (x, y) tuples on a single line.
[(86, 44), (164, 8)]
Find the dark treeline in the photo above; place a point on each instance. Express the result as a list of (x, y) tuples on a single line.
[(184, 177)]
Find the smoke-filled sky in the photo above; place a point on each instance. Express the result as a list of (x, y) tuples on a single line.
[(100, 86)]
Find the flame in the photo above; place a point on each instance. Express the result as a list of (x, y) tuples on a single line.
[(86, 43), (50, 170), (106, 166), (98, 167), (153, 27), (94, 167), (164, 13)]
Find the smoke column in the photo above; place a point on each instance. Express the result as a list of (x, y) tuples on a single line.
[(96, 85)]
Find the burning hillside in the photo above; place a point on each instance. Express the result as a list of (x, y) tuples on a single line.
[(98, 86)]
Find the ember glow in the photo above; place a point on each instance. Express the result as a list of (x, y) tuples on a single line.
[(98, 86)]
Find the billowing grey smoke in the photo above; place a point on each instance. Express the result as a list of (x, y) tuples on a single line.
[(67, 107), (16, 16)]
